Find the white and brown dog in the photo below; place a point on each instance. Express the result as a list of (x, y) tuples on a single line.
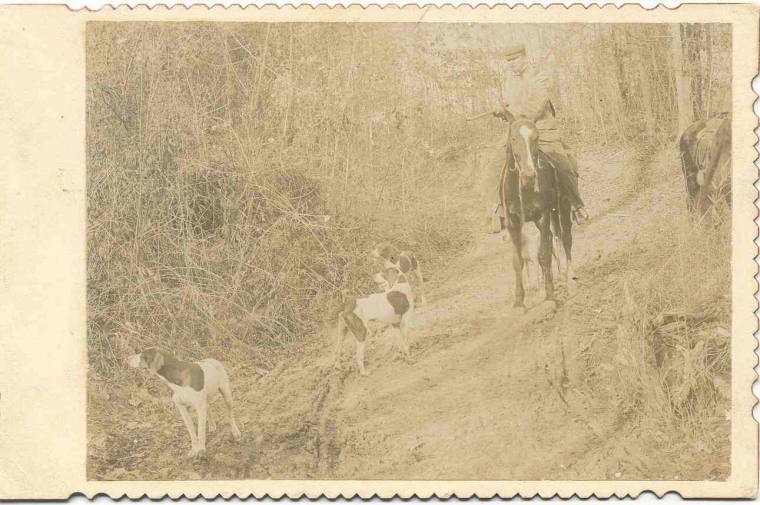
[(404, 262), (530, 243), (193, 385), (370, 314)]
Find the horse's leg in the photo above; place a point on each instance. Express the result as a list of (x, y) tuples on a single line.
[(530, 259), (545, 253), (515, 233), (531, 275), (557, 237), (567, 245), (689, 182)]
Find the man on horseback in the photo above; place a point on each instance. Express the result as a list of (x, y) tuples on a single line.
[(527, 93)]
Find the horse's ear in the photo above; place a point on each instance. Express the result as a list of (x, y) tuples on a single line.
[(511, 162), (508, 146), (551, 108)]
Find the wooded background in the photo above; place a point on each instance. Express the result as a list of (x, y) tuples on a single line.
[(238, 174)]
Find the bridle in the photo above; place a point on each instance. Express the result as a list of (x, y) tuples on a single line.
[(518, 168), (539, 167)]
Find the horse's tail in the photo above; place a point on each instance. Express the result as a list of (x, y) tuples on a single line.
[(684, 155), (503, 191), (556, 222)]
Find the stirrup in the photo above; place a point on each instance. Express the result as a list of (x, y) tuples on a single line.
[(580, 215)]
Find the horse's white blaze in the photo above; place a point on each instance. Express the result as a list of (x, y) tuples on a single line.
[(524, 132)]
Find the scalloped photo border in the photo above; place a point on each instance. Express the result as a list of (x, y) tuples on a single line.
[(43, 444)]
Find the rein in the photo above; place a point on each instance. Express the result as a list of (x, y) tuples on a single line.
[(520, 186), (520, 197), (539, 167)]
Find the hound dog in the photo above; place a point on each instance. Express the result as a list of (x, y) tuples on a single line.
[(530, 245), (193, 384), (404, 262), (367, 315)]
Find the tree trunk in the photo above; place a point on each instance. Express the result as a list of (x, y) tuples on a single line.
[(683, 87), (647, 96)]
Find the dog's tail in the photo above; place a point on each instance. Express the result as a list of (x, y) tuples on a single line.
[(341, 329), (347, 305)]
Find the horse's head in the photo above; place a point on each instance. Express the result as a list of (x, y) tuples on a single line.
[(523, 142)]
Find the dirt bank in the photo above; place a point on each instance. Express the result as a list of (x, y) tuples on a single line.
[(490, 393)]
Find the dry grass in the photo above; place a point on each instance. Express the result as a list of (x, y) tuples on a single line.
[(646, 341), (673, 347), (239, 173), (224, 260), (225, 213)]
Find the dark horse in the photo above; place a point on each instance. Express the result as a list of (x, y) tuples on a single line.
[(705, 160), (530, 192)]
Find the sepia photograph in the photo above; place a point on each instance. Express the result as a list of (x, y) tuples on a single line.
[(408, 251)]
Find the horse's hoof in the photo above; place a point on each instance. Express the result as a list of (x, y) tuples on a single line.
[(197, 452), (571, 287), (520, 308), (550, 304)]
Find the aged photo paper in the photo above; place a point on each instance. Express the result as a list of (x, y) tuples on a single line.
[(383, 251)]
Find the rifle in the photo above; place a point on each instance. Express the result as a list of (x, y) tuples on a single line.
[(509, 117), (481, 115)]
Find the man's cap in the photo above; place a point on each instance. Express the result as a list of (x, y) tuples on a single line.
[(513, 52)]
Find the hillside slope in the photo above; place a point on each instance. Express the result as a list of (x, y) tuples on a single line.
[(490, 392)]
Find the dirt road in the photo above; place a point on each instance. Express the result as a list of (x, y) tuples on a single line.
[(490, 392)]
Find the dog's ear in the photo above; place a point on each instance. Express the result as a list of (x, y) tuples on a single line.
[(508, 145), (184, 377), (405, 264), (156, 361)]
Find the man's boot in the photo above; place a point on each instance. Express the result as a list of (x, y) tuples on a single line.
[(580, 215)]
